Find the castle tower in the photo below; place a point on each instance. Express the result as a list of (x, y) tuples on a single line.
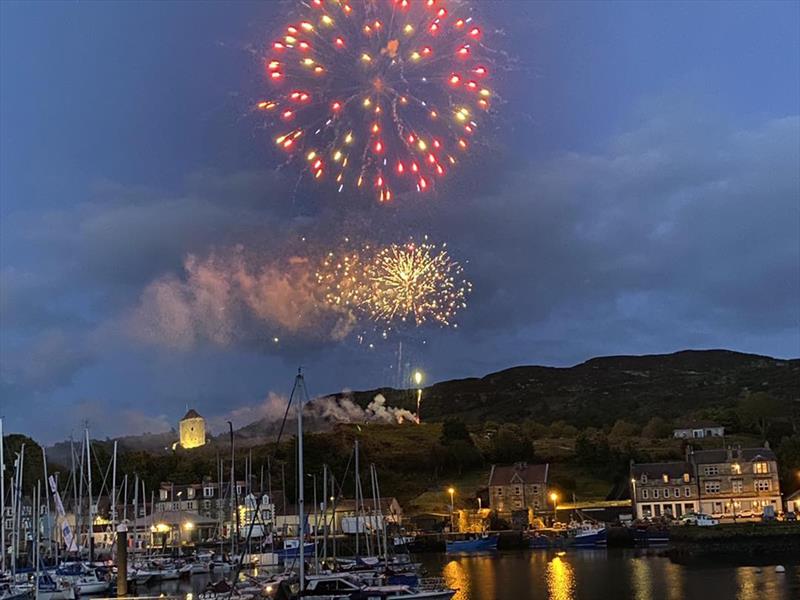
[(193, 430)]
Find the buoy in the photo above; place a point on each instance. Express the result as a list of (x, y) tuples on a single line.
[(780, 569)]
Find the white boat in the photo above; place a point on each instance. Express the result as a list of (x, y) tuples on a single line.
[(89, 584), (49, 589), (339, 587)]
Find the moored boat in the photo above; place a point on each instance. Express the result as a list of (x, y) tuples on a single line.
[(483, 543)]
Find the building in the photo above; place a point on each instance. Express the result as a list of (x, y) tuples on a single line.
[(737, 482), (347, 520), (793, 502), (664, 489), (192, 430), (517, 488), (699, 430), (730, 482)]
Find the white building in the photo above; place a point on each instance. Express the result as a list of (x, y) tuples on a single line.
[(698, 431)]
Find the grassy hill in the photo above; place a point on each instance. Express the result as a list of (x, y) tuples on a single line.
[(603, 390)]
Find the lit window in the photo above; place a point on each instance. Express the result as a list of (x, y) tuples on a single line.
[(761, 468), (686, 477), (665, 478), (736, 469), (736, 486)]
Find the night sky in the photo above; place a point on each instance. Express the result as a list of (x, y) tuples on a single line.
[(638, 192)]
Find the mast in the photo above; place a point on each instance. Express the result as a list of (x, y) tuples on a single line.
[(324, 513), (114, 497), (358, 521), (2, 500), (47, 499), (90, 524), (135, 506), (300, 388), (233, 491)]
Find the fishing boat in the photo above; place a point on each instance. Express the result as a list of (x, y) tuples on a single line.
[(291, 549), (588, 535), (343, 587), (484, 543), (539, 541)]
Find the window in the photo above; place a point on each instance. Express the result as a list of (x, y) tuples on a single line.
[(647, 511), (190, 493), (687, 491), (207, 504), (763, 485), (645, 494), (658, 510), (536, 489), (644, 477), (190, 505), (736, 469), (518, 490), (665, 478), (688, 507), (499, 491), (238, 490), (666, 492), (761, 468), (736, 486), (655, 493), (686, 477), (712, 487), (208, 492), (162, 494), (711, 470)]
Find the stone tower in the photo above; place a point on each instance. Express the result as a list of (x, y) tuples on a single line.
[(193, 430)]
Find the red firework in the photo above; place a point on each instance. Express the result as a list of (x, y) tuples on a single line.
[(379, 95)]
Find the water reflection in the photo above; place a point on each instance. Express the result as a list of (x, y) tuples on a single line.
[(560, 579), (456, 577)]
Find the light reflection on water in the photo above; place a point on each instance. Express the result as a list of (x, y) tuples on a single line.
[(607, 575)]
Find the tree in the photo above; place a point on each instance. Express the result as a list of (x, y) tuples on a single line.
[(623, 429), (454, 430), (656, 428), (509, 445), (758, 409)]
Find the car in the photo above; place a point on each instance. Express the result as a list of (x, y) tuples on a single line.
[(699, 519), (790, 516)]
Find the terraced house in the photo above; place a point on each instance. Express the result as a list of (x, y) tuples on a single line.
[(737, 481), (519, 489), (730, 482)]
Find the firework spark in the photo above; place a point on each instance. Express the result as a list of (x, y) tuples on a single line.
[(398, 284), (378, 94)]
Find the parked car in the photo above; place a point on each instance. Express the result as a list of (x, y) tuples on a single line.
[(699, 519), (790, 516)]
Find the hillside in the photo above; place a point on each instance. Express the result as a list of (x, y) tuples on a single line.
[(602, 390)]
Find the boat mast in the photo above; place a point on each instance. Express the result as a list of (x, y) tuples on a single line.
[(90, 524), (47, 498), (2, 500), (300, 389), (358, 521)]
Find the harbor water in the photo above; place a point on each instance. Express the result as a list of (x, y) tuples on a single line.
[(612, 574)]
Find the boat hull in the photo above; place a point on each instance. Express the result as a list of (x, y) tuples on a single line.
[(483, 544)]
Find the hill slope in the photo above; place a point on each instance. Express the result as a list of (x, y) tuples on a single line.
[(602, 390)]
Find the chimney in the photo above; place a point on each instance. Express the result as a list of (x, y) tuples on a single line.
[(766, 444), (730, 453)]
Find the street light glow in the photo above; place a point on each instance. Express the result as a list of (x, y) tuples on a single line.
[(418, 377)]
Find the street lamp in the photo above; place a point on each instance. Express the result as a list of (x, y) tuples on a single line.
[(633, 498), (418, 381), (554, 500), (451, 490)]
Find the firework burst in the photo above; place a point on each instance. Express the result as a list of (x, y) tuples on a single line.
[(397, 284), (379, 95)]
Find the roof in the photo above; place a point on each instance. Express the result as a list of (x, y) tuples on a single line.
[(348, 504), (721, 455), (674, 470), (700, 425), (522, 472), (191, 414), (794, 495)]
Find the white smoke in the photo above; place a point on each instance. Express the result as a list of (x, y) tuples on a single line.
[(344, 410)]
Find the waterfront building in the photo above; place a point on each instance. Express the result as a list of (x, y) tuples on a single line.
[(518, 488), (698, 430), (664, 489), (192, 430), (737, 482), (346, 519), (730, 482)]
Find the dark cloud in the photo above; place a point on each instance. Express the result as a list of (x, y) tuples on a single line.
[(682, 232)]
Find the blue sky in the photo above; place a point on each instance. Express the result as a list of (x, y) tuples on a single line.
[(641, 195)]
